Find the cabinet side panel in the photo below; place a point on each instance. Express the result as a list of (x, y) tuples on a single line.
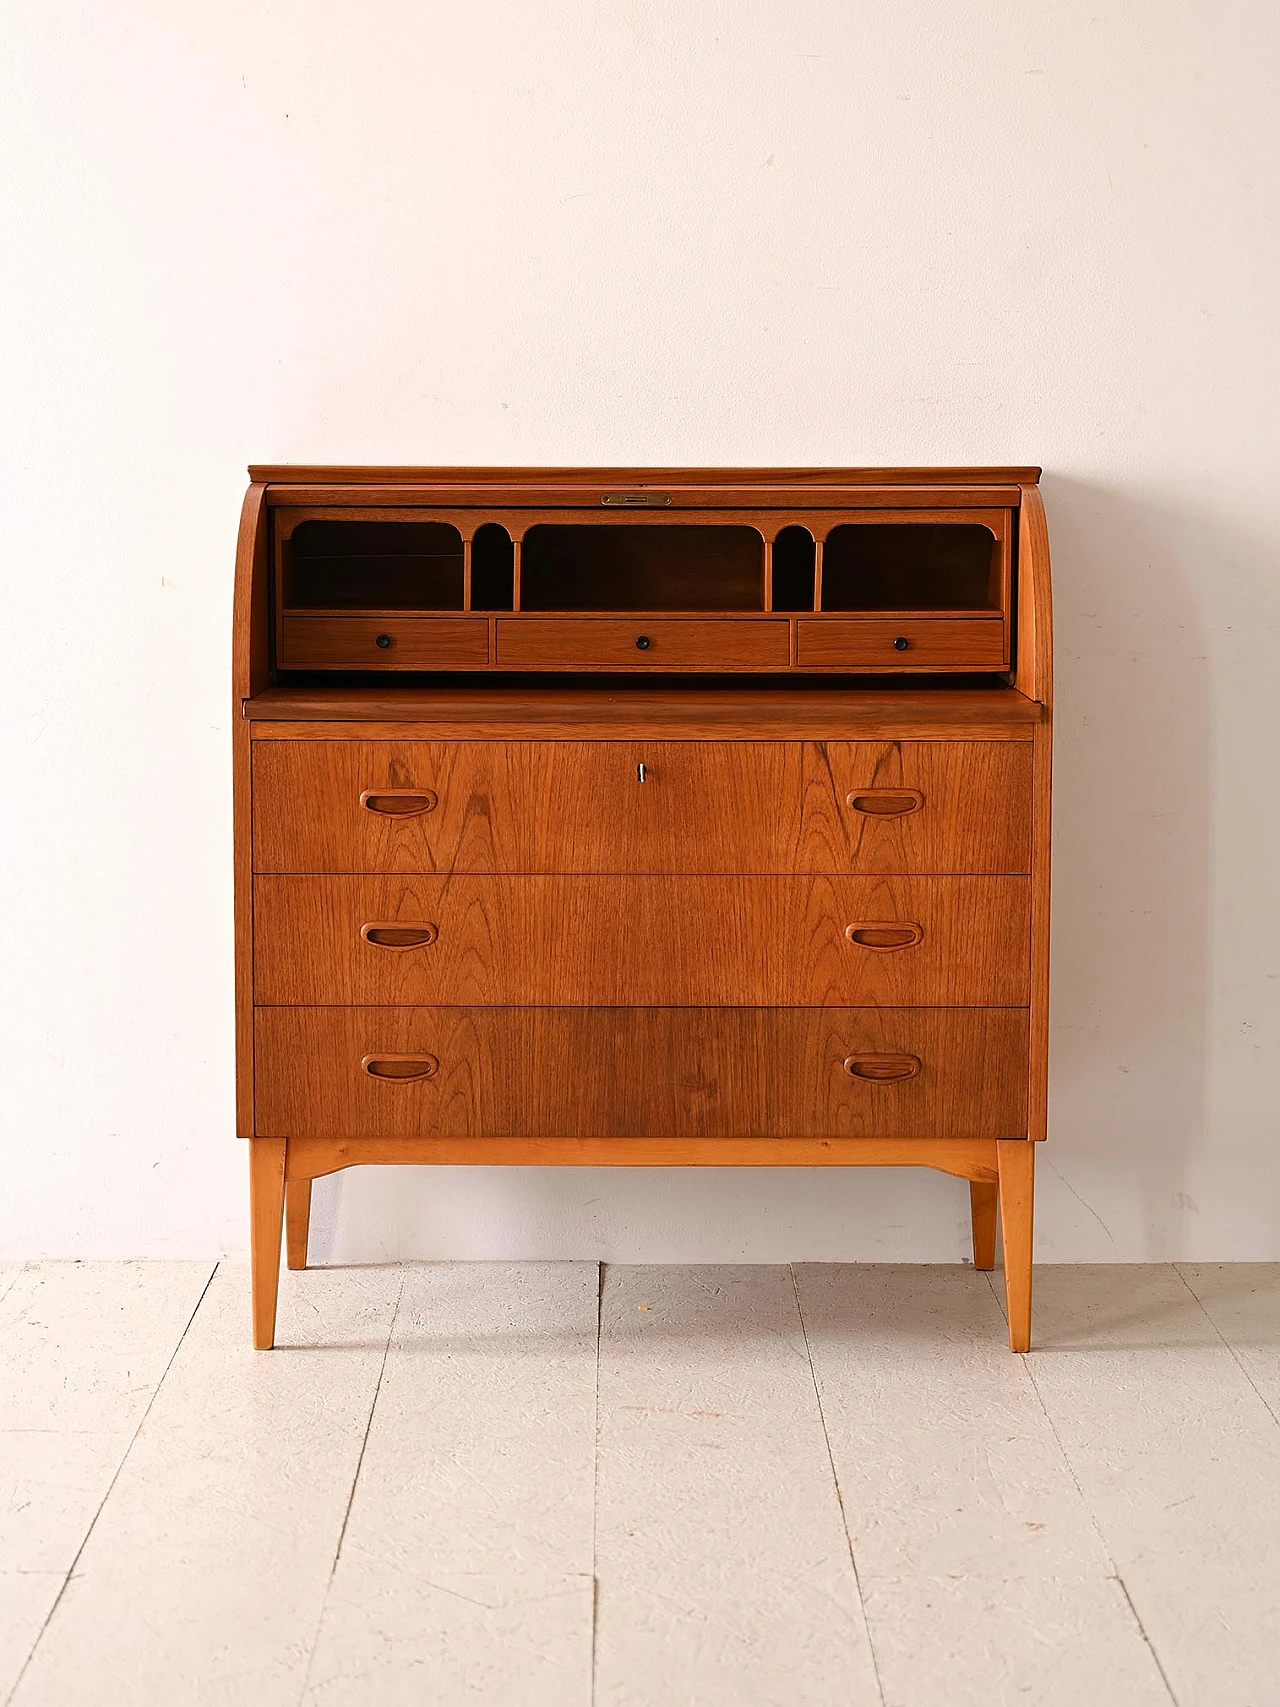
[(1035, 679), (1034, 676), (250, 673), (250, 657), (1040, 903), (242, 807)]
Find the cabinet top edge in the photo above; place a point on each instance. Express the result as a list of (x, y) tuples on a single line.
[(787, 479)]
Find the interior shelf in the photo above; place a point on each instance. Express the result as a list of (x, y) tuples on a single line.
[(373, 565), (879, 591), (910, 566), (621, 567)]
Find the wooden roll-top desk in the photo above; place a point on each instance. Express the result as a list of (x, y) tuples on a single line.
[(658, 817)]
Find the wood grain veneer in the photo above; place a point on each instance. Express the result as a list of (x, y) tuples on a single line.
[(886, 643), (607, 941), (652, 643), (639, 1072), (579, 807), (392, 641), (788, 480), (250, 674), (696, 711)]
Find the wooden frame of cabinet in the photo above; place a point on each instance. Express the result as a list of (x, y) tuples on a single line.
[(562, 682)]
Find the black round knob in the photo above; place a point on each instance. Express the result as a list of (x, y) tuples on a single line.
[(384, 640), (901, 643), (643, 642)]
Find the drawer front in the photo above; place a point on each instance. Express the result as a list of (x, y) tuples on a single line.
[(524, 806), (902, 643), (704, 806), (926, 806), (641, 642), (641, 1072), (642, 941), (382, 643)]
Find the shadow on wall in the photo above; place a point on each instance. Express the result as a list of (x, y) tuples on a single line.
[(1132, 875), (1131, 968)]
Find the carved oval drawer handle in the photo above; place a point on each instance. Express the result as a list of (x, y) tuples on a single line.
[(886, 802), (884, 939), (400, 1069), (882, 1069), (398, 935), (399, 802)]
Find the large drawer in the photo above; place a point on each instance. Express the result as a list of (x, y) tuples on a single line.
[(582, 806), (641, 1072), (641, 940)]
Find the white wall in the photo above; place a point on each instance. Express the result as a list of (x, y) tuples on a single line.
[(775, 232)]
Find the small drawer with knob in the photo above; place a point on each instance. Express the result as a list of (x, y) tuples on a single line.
[(390, 642), (902, 643), (643, 642)]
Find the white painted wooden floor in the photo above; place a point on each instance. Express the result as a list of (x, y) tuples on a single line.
[(537, 1485)]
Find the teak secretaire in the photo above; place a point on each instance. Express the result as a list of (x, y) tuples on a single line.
[(666, 817)]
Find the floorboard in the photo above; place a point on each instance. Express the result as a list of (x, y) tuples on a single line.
[(984, 1579), (465, 1573), (866, 1502), (1242, 1300), (724, 1576), (203, 1578), (9, 1272), (83, 1347), (1176, 1454)]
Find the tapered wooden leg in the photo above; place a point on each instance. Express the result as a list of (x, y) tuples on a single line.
[(982, 1206), (1016, 1162), (266, 1215), (297, 1221)]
